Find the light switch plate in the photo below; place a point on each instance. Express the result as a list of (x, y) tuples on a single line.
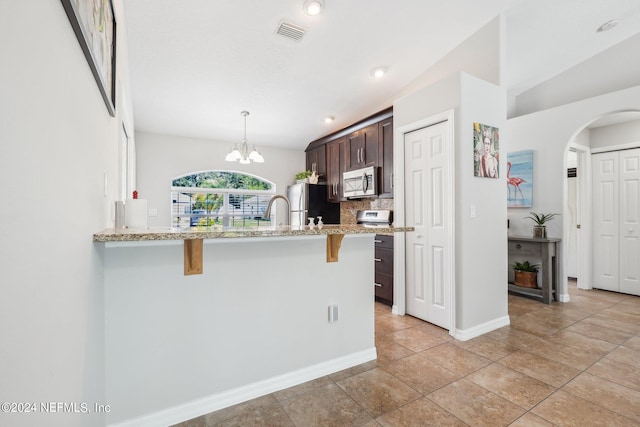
[(334, 313)]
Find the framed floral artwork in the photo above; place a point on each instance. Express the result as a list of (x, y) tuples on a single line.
[(486, 151)]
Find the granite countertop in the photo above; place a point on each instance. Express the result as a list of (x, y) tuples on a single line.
[(220, 232)]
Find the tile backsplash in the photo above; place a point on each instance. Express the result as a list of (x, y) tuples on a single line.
[(350, 208)]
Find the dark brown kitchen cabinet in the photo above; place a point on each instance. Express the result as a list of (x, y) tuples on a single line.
[(385, 158), (317, 161), (368, 142), (362, 148), (335, 167), (383, 277)]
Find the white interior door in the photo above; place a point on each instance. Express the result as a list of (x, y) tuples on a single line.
[(605, 221), (629, 230), (572, 232), (428, 255)]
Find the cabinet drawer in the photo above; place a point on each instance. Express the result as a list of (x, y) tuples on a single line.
[(524, 249), (384, 260), (384, 286), (383, 241)]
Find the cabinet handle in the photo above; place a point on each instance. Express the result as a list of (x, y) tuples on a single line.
[(377, 241), (378, 285), (391, 184), (518, 246), (377, 260)]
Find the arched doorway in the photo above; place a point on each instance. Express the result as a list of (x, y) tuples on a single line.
[(613, 131)]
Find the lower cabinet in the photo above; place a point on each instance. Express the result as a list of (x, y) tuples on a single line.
[(383, 279)]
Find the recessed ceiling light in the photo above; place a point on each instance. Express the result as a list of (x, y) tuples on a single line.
[(328, 119), (312, 7), (379, 72), (607, 25)]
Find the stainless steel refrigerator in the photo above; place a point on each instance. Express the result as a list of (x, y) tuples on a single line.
[(310, 200)]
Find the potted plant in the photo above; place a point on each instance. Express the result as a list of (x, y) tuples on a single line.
[(539, 229), (526, 274), (303, 176)]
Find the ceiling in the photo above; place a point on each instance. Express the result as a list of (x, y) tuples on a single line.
[(196, 64)]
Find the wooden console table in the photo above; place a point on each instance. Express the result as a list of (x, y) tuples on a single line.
[(537, 251)]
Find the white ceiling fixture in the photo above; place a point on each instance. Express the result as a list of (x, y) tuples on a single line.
[(607, 25), (313, 7), (329, 119), (242, 154), (379, 72)]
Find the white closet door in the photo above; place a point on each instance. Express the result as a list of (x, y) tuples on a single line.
[(428, 255), (629, 231), (616, 221), (605, 221)]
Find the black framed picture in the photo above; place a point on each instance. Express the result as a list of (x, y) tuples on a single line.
[(94, 23)]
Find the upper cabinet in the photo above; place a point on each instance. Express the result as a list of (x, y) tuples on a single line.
[(317, 161), (385, 158), (368, 142), (362, 148), (335, 167)]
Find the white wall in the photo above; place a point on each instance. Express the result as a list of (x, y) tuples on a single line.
[(481, 242), (255, 321), (610, 71), (478, 55), (162, 158), (548, 133), (618, 134), (58, 142)]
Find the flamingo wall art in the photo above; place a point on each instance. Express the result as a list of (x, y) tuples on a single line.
[(520, 179)]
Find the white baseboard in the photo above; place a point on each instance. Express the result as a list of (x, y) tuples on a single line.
[(228, 398), (563, 298), (476, 331)]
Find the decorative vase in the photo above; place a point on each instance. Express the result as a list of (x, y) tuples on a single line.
[(526, 279), (540, 231)]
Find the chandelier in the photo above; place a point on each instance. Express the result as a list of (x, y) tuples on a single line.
[(242, 154)]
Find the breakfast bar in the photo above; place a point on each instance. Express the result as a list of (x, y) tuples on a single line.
[(271, 308), (193, 237)]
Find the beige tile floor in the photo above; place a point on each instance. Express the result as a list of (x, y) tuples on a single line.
[(575, 364)]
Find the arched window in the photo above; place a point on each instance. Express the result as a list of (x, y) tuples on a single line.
[(226, 198)]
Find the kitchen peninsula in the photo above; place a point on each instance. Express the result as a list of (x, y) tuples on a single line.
[(255, 320)]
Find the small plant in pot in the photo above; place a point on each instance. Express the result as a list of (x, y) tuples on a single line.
[(539, 229), (303, 176), (526, 274)]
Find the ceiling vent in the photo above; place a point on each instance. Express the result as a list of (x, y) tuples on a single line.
[(290, 31)]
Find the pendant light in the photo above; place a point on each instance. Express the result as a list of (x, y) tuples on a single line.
[(241, 154)]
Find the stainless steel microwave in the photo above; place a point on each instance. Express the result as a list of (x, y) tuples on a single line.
[(360, 183)]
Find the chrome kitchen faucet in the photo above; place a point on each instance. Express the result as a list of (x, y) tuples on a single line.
[(267, 212)]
